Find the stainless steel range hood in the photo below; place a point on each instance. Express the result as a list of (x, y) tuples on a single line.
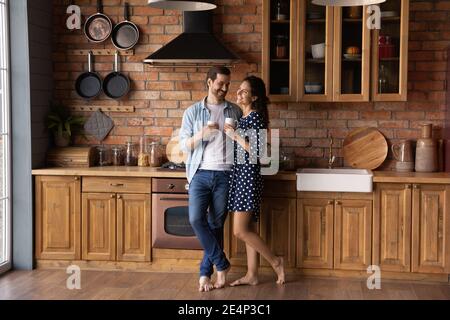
[(195, 46)]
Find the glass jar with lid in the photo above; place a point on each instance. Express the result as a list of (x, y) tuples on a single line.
[(143, 154), (130, 154), (103, 156), (155, 154), (117, 156)]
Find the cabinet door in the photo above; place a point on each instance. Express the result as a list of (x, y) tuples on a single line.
[(315, 76), (99, 226), (233, 247), (352, 69), (392, 227), (58, 217), (278, 225), (315, 233), (431, 228), (352, 234), (390, 53), (279, 53), (133, 227)]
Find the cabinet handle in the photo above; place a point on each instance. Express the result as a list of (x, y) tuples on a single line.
[(76, 178), (171, 186), (119, 197), (416, 186), (408, 186), (330, 201), (116, 184), (338, 203), (113, 196)]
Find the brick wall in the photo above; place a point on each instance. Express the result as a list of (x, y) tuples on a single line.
[(161, 94)]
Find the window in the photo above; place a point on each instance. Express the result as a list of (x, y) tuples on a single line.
[(5, 173)]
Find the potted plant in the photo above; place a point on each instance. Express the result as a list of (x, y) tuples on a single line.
[(63, 125)]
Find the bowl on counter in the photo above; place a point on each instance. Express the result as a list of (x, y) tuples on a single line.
[(313, 87)]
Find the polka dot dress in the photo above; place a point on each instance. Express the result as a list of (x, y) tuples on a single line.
[(246, 182)]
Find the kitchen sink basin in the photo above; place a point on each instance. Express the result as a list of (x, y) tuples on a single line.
[(334, 180)]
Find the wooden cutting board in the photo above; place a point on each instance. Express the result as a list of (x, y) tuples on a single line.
[(365, 148), (174, 153)]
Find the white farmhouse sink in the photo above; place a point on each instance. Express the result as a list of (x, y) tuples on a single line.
[(334, 180)]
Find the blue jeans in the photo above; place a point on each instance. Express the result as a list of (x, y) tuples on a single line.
[(209, 189)]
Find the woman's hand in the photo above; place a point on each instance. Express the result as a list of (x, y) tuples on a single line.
[(229, 131)]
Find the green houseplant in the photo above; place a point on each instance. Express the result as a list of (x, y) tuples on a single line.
[(63, 125)]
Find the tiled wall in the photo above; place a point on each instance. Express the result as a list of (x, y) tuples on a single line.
[(161, 94)]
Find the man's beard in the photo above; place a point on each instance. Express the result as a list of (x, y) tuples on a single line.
[(220, 94)]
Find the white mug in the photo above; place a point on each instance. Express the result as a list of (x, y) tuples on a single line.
[(231, 122), (211, 123)]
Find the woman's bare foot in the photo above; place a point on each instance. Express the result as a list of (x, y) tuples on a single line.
[(205, 284), (221, 278), (279, 270), (246, 280)]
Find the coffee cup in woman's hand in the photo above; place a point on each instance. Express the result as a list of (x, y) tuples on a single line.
[(229, 130)]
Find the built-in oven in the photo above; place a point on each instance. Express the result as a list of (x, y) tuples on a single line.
[(170, 215)]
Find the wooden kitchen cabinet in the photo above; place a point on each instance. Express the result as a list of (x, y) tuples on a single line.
[(278, 228), (412, 227), (334, 231), (99, 226), (390, 53), (279, 53), (116, 219), (430, 228), (315, 233), (58, 217), (337, 75)]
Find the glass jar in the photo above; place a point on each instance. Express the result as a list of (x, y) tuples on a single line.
[(143, 155), (130, 154), (103, 156), (382, 80), (155, 154), (117, 156), (280, 47)]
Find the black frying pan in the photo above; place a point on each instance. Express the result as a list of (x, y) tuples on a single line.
[(88, 84), (98, 27), (116, 84), (125, 35)]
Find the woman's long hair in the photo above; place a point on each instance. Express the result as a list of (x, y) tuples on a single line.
[(258, 89)]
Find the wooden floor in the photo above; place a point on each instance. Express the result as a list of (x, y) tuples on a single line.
[(51, 284)]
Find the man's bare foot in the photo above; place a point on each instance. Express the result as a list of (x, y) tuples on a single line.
[(221, 278), (246, 280), (205, 284), (279, 270)]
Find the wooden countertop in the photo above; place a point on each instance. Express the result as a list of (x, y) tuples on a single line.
[(123, 171), (111, 171)]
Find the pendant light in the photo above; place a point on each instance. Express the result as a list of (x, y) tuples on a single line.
[(184, 5), (346, 3)]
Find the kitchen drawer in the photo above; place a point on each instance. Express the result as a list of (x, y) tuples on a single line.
[(280, 188), (115, 184)]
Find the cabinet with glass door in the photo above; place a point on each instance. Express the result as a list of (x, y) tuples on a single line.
[(315, 81), (351, 61), (279, 55), (390, 52)]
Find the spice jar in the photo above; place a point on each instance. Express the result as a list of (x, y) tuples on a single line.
[(130, 154), (155, 155), (117, 156)]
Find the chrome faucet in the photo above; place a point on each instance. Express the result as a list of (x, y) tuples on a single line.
[(331, 157)]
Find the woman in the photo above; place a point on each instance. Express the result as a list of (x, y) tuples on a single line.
[(246, 182)]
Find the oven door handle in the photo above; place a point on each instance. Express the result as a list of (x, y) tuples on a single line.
[(173, 199)]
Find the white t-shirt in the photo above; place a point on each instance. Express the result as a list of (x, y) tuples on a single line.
[(216, 156)]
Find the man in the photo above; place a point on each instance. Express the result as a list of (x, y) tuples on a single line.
[(208, 171)]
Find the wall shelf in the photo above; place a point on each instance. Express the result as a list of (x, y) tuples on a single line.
[(100, 52), (102, 108)]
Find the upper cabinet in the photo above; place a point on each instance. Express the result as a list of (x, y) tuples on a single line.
[(318, 53), (390, 53), (279, 53)]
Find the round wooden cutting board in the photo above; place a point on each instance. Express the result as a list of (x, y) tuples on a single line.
[(365, 148), (174, 153)]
